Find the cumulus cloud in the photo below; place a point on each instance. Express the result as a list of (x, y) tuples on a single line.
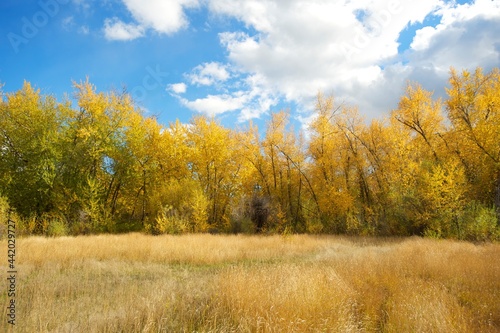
[(290, 50), (162, 16), (249, 96), (465, 38), (351, 48), (177, 88), (301, 48), (213, 105), (165, 17), (115, 29), (208, 74)]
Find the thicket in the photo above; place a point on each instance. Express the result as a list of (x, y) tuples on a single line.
[(96, 164)]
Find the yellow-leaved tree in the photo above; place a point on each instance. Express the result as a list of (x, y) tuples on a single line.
[(474, 110), (31, 127), (331, 168), (214, 162), (93, 152)]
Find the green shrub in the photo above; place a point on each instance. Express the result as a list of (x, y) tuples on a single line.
[(434, 233), (56, 226), (479, 223), (241, 224), (168, 221)]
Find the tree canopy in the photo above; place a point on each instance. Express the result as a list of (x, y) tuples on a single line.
[(432, 167)]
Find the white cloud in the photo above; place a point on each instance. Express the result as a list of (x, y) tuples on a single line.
[(351, 49), (213, 105), (250, 96), (177, 88), (209, 73), (166, 17), (253, 13), (452, 15), (422, 38), (162, 16), (260, 95), (302, 47), (115, 29), (465, 38), (291, 49)]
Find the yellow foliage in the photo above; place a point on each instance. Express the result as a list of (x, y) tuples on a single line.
[(105, 166), (199, 215)]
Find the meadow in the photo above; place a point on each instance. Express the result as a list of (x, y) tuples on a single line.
[(236, 283)]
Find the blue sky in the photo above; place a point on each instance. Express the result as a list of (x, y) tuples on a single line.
[(239, 60)]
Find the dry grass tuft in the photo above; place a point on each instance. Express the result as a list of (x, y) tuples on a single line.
[(214, 283)]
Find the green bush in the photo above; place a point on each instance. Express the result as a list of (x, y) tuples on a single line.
[(241, 225), (6, 213), (479, 223), (56, 226), (168, 221)]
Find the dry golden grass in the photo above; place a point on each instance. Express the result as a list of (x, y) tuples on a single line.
[(209, 283)]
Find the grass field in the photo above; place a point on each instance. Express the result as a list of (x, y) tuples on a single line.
[(215, 283)]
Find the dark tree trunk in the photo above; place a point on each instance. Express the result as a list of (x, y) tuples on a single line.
[(259, 212)]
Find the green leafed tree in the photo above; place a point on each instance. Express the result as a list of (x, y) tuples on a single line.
[(31, 126)]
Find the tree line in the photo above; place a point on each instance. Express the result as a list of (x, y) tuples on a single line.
[(95, 163)]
